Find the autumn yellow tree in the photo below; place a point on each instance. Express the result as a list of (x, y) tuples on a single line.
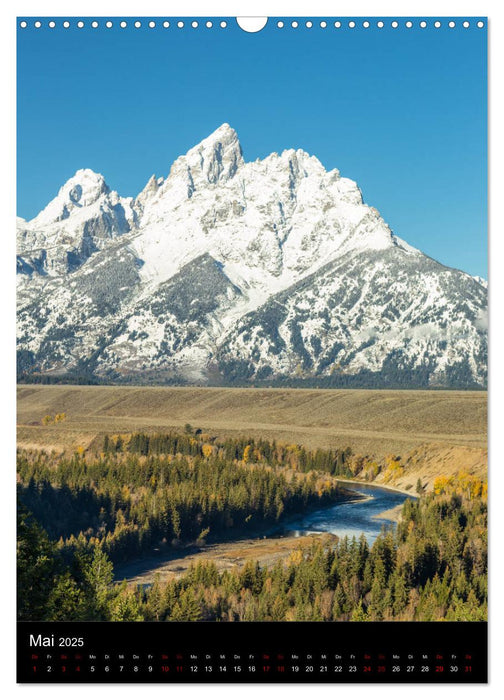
[(207, 450)]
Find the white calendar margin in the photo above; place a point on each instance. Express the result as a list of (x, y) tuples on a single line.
[(439, 8)]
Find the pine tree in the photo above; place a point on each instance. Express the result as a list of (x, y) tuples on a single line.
[(66, 601), (400, 598), (97, 573), (36, 567), (155, 605), (358, 613), (124, 606), (187, 609)]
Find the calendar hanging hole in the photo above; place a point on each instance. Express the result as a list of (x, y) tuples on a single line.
[(252, 24)]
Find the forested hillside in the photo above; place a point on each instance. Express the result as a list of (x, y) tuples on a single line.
[(145, 492), (78, 515)]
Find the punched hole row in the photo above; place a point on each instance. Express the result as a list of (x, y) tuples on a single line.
[(309, 24)]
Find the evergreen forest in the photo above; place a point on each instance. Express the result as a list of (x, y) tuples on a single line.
[(80, 515)]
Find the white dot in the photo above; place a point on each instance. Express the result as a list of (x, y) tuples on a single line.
[(481, 24), (194, 25), (138, 24), (124, 24), (309, 24), (294, 24), (423, 24), (94, 24), (152, 25), (409, 24), (437, 24), (451, 24), (108, 24), (166, 24), (80, 24), (380, 25), (66, 24), (337, 25), (52, 24), (38, 25), (323, 24), (395, 25), (23, 25), (223, 25), (351, 25), (280, 25), (466, 24), (180, 25), (209, 24), (365, 24)]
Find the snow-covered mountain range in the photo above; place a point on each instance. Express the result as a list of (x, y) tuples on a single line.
[(229, 271)]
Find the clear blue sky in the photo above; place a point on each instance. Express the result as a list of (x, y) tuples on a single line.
[(401, 111)]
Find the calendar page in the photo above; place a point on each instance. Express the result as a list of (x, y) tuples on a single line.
[(252, 349)]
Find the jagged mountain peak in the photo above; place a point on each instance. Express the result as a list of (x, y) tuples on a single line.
[(299, 155), (88, 179), (224, 134), (84, 217), (151, 188), (81, 190), (215, 159), (235, 271), (295, 163)]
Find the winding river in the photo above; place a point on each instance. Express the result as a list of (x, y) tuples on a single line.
[(353, 517), (348, 518)]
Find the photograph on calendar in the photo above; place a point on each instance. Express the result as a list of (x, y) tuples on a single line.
[(252, 320)]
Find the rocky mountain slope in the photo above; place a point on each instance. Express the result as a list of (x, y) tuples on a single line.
[(271, 271)]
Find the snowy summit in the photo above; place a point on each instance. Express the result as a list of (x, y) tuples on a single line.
[(226, 271)]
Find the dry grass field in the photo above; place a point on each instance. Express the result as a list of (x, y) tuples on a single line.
[(374, 422)]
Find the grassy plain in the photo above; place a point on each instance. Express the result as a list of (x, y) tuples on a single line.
[(369, 421), (434, 432)]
